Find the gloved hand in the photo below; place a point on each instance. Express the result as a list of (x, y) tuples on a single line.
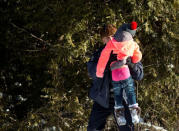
[(117, 64), (129, 62)]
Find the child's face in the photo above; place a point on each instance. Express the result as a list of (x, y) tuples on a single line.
[(105, 40)]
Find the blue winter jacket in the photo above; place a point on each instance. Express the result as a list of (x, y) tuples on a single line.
[(99, 90)]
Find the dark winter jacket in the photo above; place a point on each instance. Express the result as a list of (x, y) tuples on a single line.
[(99, 90)]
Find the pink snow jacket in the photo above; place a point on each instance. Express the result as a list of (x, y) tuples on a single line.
[(122, 49)]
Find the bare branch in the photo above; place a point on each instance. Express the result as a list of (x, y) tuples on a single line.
[(32, 35)]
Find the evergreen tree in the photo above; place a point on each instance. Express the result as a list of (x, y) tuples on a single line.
[(44, 47)]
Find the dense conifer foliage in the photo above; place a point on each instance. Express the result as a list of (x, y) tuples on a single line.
[(44, 47)]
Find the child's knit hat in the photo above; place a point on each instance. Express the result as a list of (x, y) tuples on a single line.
[(130, 28), (124, 36)]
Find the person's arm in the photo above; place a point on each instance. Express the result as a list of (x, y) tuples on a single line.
[(137, 55), (92, 63), (136, 69), (103, 60)]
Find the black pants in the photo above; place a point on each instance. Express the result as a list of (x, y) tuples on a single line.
[(99, 114)]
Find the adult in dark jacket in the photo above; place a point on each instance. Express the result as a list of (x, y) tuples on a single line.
[(100, 90)]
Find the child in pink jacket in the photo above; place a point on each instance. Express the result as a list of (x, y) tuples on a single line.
[(124, 46)]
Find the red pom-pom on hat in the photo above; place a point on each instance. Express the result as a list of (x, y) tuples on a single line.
[(133, 25)]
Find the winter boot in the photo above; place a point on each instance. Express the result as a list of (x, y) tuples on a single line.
[(135, 114), (119, 114)]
